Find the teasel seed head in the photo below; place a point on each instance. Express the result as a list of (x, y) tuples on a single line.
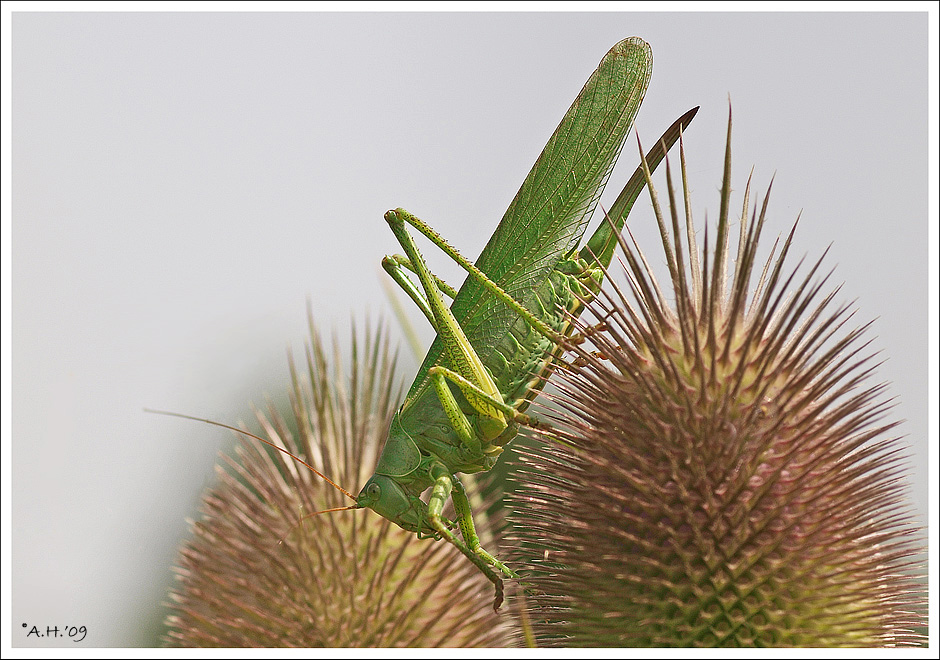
[(724, 474), (256, 573)]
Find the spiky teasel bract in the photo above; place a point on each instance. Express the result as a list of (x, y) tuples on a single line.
[(726, 475), (255, 575)]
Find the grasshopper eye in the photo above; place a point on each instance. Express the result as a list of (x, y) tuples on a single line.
[(374, 490)]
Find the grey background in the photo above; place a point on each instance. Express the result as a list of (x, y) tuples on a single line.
[(184, 182)]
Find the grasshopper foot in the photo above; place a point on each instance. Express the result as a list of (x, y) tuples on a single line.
[(498, 599)]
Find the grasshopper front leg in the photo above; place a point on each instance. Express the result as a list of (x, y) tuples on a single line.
[(469, 532), (444, 485)]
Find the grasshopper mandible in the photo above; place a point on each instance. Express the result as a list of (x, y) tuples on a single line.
[(496, 342)]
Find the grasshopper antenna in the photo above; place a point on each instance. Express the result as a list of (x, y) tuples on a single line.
[(270, 444), (316, 513)]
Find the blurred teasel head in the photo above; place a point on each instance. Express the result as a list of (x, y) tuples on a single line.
[(724, 473), (258, 572)]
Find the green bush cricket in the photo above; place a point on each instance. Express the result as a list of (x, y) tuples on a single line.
[(496, 342)]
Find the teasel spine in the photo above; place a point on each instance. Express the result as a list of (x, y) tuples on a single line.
[(257, 573)]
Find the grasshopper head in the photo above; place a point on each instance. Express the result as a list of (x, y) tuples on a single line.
[(390, 500)]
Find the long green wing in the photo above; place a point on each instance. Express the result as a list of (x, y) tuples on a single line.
[(548, 216)]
